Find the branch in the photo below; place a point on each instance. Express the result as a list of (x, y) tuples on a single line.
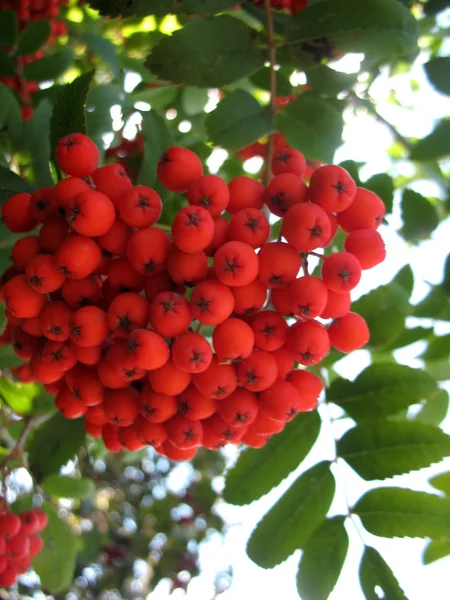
[(17, 449), (273, 86)]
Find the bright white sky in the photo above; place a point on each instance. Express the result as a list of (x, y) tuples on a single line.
[(366, 141)]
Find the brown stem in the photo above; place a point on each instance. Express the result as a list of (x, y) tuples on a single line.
[(17, 449), (273, 87)]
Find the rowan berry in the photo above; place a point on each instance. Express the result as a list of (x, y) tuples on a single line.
[(253, 440), (114, 241), (245, 193), (139, 206), (123, 278), (210, 192), (306, 227), (308, 386), (169, 379), (153, 434), (147, 250), (349, 333), (280, 402), (308, 341), (194, 406), (218, 381), (18, 547), (36, 545), (192, 229), (308, 296), (220, 235), (128, 437), (91, 213), (69, 405), (80, 292), (338, 305), (16, 213), (250, 226), (121, 407), (42, 205), (110, 438), (222, 431), (341, 272), (77, 155), (24, 250), (177, 454), (249, 298), (64, 193), (285, 361), (88, 326), (279, 264), (21, 299), (211, 302), (270, 330), (186, 269), (264, 425), (368, 247), (24, 344), (85, 385), (233, 340), (89, 355), (184, 433), (178, 168), (155, 407), (288, 160), (43, 371), (127, 312), (240, 408), (43, 274), (236, 264), (332, 188), (191, 352), (10, 525), (365, 212), (284, 191), (258, 371), (78, 256), (111, 180), (53, 233)]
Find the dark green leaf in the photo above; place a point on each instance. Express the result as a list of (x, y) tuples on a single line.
[(385, 310), (383, 185), (132, 64), (237, 121), (432, 7), (261, 79), (55, 564), (437, 70), (18, 396), (105, 49), (435, 145), (207, 53), (291, 521), (328, 81), (69, 114), (441, 482), (53, 444), (438, 347), (434, 306), (10, 184), (410, 336), (381, 390), (37, 142), (157, 97), (9, 27), (257, 471), (8, 358), (434, 410), (398, 512), (375, 27), (160, 8), (33, 37), (50, 67), (157, 139), (10, 115), (375, 575), (68, 487), (419, 216), (313, 126), (382, 449), (322, 560), (434, 550), (405, 278), (446, 280), (7, 65), (193, 100)]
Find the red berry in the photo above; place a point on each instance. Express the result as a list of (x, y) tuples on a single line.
[(77, 155), (183, 433), (210, 192), (16, 213), (78, 256), (169, 379), (349, 333), (236, 264), (191, 352), (306, 227), (43, 274), (139, 206), (211, 302), (332, 188), (288, 160), (178, 168), (233, 340), (365, 212), (245, 193), (279, 264), (91, 213), (192, 229), (367, 245), (258, 371), (308, 386), (284, 191), (341, 272), (22, 300), (217, 381), (239, 409), (280, 402), (308, 341), (249, 226), (157, 408)]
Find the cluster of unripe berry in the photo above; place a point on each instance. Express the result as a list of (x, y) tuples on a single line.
[(108, 307), (19, 542), (29, 11)]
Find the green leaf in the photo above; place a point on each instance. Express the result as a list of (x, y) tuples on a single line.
[(432, 7), (53, 444), (446, 280), (8, 358), (376, 574), (207, 53), (105, 49), (33, 37), (383, 185), (437, 70), (441, 482), (397, 512), (438, 347), (68, 487), (160, 8), (434, 410), (325, 80), (381, 390), (410, 336), (419, 216), (385, 310), (10, 184), (434, 550), (382, 449), (237, 121), (10, 115), (132, 64), (257, 471), (18, 396), (9, 27), (55, 564), (261, 79), (434, 306), (193, 100), (69, 113), (313, 126), (157, 97), (405, 278), (50, 67), (157, 139), (435, 145), (291, 521), (7, 65), (322, 560), (37, 142), (375, 27)]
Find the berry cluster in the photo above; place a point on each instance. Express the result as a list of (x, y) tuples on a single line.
[(19, 542), (29, 11), (108, 307)]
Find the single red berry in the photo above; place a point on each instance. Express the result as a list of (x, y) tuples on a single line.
[(341, 272), (306, 227), (88, 326), (308, 341), (284, 191), (169, 379), (365, 212), (308, 295), (258, 371), (249, 298), (280, 402), (233, 340), (194, 406), (349, 333), (16, 213), (183, 433), (279, 264), (178, 168), (187, 269), (332, 188), (147, 250), (239, 409), (21, 299), (111, 180), (245, 193), (191, 352), (288, 160), (338, 305), (91, 213), (139, 206), (211, 193), (236, 264), (77, 155), (78, 256), (192, 229), (218, 381), (250, 226), (367, 245), (43, 274), (211, 302), (270, 330), (308, 386)]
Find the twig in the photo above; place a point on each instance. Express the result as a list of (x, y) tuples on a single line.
[(273, 87), (16, 450)]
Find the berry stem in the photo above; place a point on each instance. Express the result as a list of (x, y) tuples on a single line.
[(273, 86), (321, 256), (17, 449)]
